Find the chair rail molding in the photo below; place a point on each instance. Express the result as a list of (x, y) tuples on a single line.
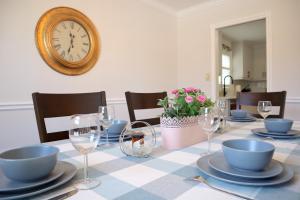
[(13, 106), (293, 100)]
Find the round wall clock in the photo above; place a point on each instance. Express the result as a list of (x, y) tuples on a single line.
[(67, 41)]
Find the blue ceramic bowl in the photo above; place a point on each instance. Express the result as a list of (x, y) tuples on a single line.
[(248, 154), (28, 163), (239, 113), (117, 127), (278, 125)]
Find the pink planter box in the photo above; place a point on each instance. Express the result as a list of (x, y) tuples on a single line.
[(179, 137)]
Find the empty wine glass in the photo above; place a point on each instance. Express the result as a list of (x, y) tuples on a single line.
[(107, 116), (264, 108), (84, 135), (209, 122), (222, 104)]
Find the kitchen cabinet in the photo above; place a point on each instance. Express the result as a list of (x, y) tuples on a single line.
[(242, 58)]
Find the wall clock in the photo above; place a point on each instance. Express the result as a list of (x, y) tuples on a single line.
[(67, 40)]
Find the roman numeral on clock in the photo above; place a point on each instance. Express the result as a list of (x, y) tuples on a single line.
[(72, 25), (63, 24), (63, 54), (57, 46)]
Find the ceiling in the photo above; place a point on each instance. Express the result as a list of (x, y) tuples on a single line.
[(251, 31), (179, 5)]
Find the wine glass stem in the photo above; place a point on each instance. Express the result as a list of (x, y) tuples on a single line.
[(106, 131), (208, 143), (85, 172)]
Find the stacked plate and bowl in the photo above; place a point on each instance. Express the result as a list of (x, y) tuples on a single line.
[(32, 170), (112, 134), (240, 116), (277, 129), (246, 162)]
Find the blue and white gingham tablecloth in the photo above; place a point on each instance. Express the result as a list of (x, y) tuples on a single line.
[(164, 174)]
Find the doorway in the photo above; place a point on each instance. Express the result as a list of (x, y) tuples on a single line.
[(241, 56)]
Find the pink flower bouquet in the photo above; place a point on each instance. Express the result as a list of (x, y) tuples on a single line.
[(186, 102)]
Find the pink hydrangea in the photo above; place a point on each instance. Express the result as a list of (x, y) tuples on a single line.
[(189, 99), (189, 89), (175, 91), (201, 98)]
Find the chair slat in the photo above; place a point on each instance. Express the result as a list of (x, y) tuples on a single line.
[(58, 105), (252, 98)]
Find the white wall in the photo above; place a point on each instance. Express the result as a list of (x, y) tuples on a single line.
[(143, 49), (138, 53), (194, 43)]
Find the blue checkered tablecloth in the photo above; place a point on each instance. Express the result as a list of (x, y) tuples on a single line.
[(164, 174)]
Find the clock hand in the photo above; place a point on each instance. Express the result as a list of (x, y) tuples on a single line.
[(71, 42)]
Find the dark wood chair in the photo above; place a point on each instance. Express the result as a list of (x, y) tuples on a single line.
[(252, 98), (138, 101), (59, 105)]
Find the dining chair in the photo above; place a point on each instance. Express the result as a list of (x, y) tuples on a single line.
[(60, 105), (251, 99), (140, 101)]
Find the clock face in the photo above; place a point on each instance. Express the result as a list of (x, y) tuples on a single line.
[(70, 41), (67, 40)]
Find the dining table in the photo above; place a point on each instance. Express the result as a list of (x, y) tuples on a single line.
[(167, 174)]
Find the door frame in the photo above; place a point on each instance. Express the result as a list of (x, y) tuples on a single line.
[(215, 51)]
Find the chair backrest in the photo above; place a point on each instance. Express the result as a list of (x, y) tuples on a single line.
[(138, 101), (59, 105), (252, 98)]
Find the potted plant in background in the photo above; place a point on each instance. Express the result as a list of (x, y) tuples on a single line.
[(179, 121)]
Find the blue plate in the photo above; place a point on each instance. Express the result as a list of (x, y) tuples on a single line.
[(113, 138), (265, 131), (69, 171), (8, 185), (284, 177), (254, 131), (247, 119), (218, 162)]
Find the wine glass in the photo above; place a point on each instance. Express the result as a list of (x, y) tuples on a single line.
[(209, 122), (222, 104), (107, 116), (84, 135), (264, 108)]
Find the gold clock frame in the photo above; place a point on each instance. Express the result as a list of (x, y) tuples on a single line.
[(43, 35)]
